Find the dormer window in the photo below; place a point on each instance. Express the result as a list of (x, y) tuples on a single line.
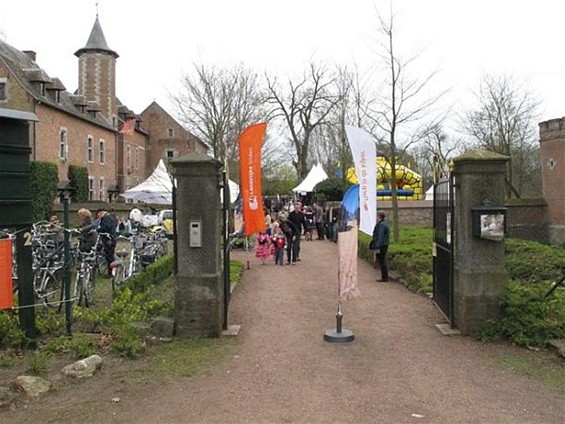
[(3, 89)]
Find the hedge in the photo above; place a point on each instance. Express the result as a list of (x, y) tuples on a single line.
[(43, 187), (78, 177)]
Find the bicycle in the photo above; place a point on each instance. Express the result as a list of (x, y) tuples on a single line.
[(239, 241), (84, 282), (121, 269)]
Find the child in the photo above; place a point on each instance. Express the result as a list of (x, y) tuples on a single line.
[(279, 241), (263, 247)]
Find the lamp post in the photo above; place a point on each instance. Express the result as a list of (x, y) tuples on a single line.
[(65, 191)]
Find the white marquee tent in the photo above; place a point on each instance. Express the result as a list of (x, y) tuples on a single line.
[(316, 175), (158, 188)]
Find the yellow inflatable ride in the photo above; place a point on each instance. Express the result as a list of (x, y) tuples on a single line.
[(409, 185)]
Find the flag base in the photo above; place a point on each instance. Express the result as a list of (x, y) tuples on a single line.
[(343, 336)]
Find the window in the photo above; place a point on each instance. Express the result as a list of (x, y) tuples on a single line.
[(102, 152), (90, 188), (3, 89), (90, 149), (63, 146), (171, 132), (136, 158), (170, 154), (101, 190)]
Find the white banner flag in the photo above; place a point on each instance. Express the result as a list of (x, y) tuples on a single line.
[(364, 154)]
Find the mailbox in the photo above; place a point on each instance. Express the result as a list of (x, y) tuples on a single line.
[(489, 222)]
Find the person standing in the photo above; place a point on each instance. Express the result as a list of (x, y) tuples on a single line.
[(88, 235), (319, 220), (263, 247), (279, 242), (107, 228), (296, 217), (381, 236)]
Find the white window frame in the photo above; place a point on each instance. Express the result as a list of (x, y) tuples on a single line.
[(102, 151), (4, 89), (63, 144), (90, 188), (101, 189), (90, 148), (171, 132)]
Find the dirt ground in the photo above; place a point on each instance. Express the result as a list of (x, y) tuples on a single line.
[(399, 369)]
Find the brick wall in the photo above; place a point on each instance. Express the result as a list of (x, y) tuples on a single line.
[(552, 143), (46, 146), (181, 142)]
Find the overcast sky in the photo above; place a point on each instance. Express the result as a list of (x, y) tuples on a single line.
[(160, 40)]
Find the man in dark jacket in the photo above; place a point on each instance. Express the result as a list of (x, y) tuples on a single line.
[(107, 229), (381, 235), (299, 221)]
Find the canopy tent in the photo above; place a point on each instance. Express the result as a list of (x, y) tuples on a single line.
[(158, 188), (316, 175)]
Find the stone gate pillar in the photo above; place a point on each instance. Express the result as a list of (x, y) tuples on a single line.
[(199, 288), (479, 275)]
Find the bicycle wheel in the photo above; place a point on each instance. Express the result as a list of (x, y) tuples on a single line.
[(117, 276), (100, 266), (88, 288), (79, 288), (52, 289)]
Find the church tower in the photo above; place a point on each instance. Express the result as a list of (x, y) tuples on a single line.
[(97, 74)]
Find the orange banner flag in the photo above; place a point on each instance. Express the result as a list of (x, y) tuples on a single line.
[(250, 144), (6, 293)]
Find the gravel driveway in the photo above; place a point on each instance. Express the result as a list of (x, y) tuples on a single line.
[(399, 369)]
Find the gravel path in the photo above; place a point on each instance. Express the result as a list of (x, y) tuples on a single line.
[(399, 369)]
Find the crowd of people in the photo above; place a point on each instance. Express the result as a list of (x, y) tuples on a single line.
[(287, 224)]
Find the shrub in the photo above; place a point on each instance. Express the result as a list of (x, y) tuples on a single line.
[(529, 260), (528, 318), (11, 335), (43, 187), (38, 363), (78, 177)]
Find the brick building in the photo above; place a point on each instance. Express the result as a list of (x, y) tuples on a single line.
[(552, 143), (90, 127)]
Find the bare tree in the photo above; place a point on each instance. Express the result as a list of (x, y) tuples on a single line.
[(505, 123), (331, 147), (217, 104), (401, 102), (303, 108)]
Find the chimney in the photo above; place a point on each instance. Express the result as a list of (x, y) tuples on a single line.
[(31, 54)]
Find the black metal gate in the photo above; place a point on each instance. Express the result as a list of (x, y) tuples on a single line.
[(443, 247)]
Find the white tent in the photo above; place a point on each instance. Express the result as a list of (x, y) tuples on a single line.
[(430, 193), (316, 175), (158, 188)]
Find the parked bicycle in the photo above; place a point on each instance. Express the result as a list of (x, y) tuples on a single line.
[(238, 241), (84, 281)]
